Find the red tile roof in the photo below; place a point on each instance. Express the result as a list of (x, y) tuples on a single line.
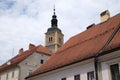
[(83, 45), (20, 57)]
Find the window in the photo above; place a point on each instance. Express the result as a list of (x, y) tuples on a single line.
[(60, 41), (7, 76), (0, 77), (42, 61), (63, 79), (50, 39), (77, 77), (90, 75), (115, 74), (12, 74), (30, 71)]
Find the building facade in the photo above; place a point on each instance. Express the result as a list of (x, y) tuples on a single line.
[(24, 63), (108, 69)]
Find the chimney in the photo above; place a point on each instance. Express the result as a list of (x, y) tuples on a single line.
[(104, 16), (21, 51), (31, 46)]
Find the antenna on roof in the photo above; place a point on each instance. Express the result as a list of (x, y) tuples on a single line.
[(12, 52), (54, 9)]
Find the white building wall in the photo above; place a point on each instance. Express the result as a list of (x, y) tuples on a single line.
[(31, 63), (107, 60), (9, 72), (82, 68), (68, 72), (106, 74)]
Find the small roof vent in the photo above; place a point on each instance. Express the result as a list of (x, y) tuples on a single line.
[(90, 26), (31, 46)]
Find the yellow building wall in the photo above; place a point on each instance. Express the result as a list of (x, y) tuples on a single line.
[(3, 74)]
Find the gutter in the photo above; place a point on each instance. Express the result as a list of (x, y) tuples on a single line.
[(103, 48)]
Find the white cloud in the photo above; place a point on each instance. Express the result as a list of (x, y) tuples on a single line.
[(25, 21)]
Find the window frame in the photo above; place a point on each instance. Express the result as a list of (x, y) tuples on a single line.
[(111, 71), (30, 71), (64, 78), (76, 77), (89, 74), (50, 39), (41, 61), (7, 75), (13, 74)]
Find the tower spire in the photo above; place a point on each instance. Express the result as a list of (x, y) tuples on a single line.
[(54, 19), (54, 9), (54, 37)]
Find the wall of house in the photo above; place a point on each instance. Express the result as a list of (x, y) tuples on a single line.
[(68, 72), (10, 72), (106, 61), (31, 64)]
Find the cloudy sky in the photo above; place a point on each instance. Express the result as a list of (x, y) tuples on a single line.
[(25, 21)]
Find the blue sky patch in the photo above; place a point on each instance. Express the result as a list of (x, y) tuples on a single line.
[(6, 4)]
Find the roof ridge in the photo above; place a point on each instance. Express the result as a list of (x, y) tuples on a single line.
[(96, 24), (87, 40)]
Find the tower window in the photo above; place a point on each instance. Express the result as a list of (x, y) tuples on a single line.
[(50, 39), (60, 41), (115, 74)]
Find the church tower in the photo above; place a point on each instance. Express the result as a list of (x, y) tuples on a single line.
[(53, 36)]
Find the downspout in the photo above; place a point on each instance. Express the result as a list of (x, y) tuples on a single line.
[(103, 48), (96, 67)]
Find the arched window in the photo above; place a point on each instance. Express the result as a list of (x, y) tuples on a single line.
[(50, 39), (60, 41)]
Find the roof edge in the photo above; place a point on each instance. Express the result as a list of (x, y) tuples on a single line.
[(103, 53)]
